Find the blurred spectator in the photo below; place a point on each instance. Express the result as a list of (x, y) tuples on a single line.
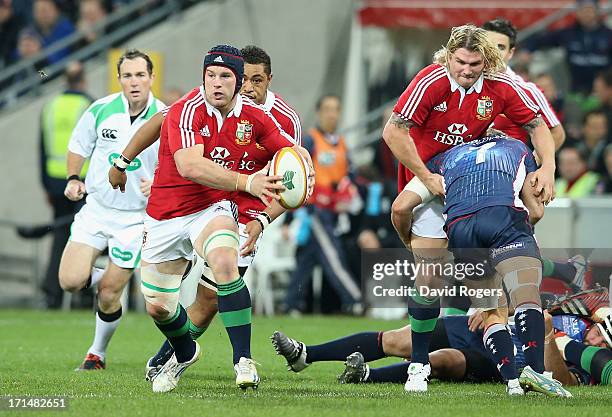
[(594, 139), (602, 89), (52, 26), (10, 26), (23, 9), (548, 86), (576, 180), (29, 44), (91, 13), (587, 45), (605, 185), (172, 95), (334, 195), (58, 118)]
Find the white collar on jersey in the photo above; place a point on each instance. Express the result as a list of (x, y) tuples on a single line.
[(126, 104), (210, 109), (510, 72), (476, 88), (269, 103)]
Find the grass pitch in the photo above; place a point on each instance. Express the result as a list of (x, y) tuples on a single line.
[(39, 351)]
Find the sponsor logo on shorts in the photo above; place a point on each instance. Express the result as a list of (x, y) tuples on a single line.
[(507, 248), (133, 166), (123, 255)]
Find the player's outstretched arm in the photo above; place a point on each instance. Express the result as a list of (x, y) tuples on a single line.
[(544, 178), (397, 136), (144, 137)]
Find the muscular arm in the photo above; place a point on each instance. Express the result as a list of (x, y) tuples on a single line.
[(144, 137), (397, 136), (544, 177), (193, 166), (558, 135), (543, 142)]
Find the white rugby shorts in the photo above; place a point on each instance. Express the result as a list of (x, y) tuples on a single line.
[(167, 240), (119, 230), (428, 220)]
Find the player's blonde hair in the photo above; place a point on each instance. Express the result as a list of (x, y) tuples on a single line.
[(474, 39)]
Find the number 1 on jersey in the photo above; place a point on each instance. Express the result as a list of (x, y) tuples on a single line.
[(480, 155)]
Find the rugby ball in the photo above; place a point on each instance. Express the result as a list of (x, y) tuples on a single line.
[(289, 164)]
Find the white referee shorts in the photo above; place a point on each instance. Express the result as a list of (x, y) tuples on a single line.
[(167, 240), (119, 230), (204, 273)]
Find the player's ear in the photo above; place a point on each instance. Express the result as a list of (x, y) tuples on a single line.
[(512, 50)]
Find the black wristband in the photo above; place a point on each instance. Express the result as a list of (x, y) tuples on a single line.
[(124, 159), (260, 223), (74, 177), (267, 216), (118, 168)]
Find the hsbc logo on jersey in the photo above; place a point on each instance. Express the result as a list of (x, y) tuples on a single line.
[(457, 129), (246, 165), (454, 135), (218, 155)]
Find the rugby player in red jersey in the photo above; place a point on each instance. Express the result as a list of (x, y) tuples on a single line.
[(448, 103)]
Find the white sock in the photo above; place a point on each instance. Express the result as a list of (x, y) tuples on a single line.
[(96, 275), (104, 332)]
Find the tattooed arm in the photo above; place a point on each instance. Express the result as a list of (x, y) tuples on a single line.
[(544, 145), (397, 136)]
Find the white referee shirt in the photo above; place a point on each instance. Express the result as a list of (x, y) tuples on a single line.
[(101, 134)]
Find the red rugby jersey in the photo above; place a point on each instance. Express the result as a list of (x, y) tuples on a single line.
[(445, 114), (535, 93), (256, 157), (192, 121)]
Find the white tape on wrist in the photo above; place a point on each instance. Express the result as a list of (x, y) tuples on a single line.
[(121, 163), (416, 186), (248, 183)]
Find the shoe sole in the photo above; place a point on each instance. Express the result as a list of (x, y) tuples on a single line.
[(529, 385), (244, 385)]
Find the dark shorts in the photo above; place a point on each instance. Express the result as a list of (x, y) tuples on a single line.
[(493, 234)]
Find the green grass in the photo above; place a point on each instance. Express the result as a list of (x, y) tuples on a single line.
[(39, 351)]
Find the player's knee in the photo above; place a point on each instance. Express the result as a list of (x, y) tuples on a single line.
[(157, 312), (401, 209), (72, 281), (221, 253), (161, 292), (397, 343)]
